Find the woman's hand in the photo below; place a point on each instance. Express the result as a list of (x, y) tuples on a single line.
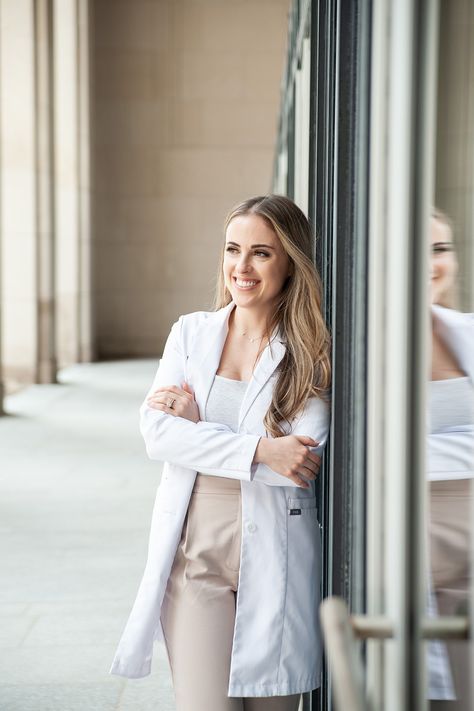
[(175, 401), (290, 457)]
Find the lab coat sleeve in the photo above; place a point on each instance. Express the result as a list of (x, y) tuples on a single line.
[(312, 422), (206, 447)]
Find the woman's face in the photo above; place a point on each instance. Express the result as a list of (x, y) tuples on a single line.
[(255, 263), (444, 265)]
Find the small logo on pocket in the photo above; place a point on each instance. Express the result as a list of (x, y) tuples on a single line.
[(295, 512)]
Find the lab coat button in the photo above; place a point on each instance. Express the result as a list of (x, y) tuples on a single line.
[(251, 527)]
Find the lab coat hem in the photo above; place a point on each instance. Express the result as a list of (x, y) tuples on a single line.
[(282, 689), (130, 671)]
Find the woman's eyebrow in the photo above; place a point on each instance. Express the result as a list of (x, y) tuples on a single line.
[(441, 244), (267, 246)]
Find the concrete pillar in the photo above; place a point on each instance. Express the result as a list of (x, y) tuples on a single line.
[(73, 183), (46, 366), (2, 387), (45, 190), (67, 127), (18, 192), (85, 324)]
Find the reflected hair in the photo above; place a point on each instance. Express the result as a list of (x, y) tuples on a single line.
[(305, 369), (442, 217)]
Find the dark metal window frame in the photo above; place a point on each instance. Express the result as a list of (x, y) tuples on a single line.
[(338, 208)]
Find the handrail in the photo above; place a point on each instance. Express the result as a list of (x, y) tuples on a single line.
[(340, 652), (373, 627), (340, 632)]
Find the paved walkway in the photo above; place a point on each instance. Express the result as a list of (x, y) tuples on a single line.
[(76, 495)]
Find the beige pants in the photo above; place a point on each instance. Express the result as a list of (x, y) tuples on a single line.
[(450, 543), (198, 610)]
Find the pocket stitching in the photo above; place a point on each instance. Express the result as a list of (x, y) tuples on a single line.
[(305, 503)]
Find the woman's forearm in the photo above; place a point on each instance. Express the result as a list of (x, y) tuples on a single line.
[(262, 452), (205, 446)]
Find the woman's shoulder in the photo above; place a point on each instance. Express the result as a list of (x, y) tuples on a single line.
[(196, 318), (196, 321), (452, 317)]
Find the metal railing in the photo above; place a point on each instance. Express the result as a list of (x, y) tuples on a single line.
[(341, 630)]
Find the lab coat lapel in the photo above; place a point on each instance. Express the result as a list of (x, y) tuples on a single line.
[(266, 366), (457, 331), (211, 339)]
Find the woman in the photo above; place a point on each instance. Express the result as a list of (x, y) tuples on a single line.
[(450, 459), (238, 412)]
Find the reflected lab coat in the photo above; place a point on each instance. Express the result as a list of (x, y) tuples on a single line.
[(276, 647)]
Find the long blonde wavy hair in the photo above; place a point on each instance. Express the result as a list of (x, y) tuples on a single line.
[(305, 369)]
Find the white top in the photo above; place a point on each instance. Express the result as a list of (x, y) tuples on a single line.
[(450, 452), (223, 403)]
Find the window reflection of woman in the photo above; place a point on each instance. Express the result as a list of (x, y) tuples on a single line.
[(450, 455)]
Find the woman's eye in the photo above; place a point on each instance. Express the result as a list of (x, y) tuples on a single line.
[(258, 253), (441, 250)]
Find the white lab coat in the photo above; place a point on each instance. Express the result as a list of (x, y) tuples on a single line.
[(456, 328), (276, 647), (450, 454)]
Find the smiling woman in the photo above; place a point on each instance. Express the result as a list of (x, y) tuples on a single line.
[(238, 412), (269, 241)]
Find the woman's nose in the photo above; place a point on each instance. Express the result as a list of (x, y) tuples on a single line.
[(243, 264)]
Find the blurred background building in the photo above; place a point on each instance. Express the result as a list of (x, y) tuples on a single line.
[(129, 128)]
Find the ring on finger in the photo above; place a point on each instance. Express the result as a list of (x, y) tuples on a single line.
[(171, 402)]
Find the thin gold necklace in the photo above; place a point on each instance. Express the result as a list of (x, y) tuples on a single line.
[(252, 340)]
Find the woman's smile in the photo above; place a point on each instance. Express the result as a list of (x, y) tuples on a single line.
[(245, 284)]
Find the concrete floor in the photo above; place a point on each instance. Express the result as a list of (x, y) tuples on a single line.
[(76, 496)]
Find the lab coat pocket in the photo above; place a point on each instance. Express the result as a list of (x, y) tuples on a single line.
[(301, 629), (303, 530), (305, 504), (304, 561)]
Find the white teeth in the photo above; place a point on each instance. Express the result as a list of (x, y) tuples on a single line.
[(245, 283)]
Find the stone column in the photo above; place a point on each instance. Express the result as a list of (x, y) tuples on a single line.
[(2, 387), (18, 192), (44, 134), (86, 348), (66, 179)]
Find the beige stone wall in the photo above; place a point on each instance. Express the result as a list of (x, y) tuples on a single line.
[(186, 98)]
